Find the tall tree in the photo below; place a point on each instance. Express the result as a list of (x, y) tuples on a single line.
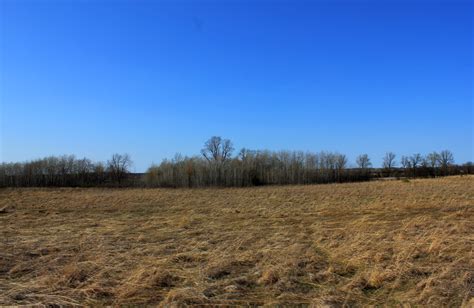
[(363, 161), (389, 162), (340, 163), (433, 162), (217, 149), (217, 152), (415, 160), (446, 158), (118, 166), (433, 159)]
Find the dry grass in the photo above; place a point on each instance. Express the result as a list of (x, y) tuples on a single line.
[(379, 243)]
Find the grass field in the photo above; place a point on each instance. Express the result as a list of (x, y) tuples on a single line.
[(377, 243)]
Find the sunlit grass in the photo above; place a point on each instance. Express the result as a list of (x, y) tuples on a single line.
[(357, 244)]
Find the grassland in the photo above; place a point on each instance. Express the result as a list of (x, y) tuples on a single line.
[(378, 243)]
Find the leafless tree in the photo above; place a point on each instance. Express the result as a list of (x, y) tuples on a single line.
[(389, 160), (217, 149), (446, 158), (341, 163), (415, 161), (118, 166), (406, 164), (433, 159), (363, 161), (217, 152)]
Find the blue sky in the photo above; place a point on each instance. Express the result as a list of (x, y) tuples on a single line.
[(151, 79)]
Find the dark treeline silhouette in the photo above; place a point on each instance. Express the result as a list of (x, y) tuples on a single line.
[(67, 171), (217, 167)]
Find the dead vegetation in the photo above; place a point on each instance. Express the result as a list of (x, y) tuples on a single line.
[(378, 243)]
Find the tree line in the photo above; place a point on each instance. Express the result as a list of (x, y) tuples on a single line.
[(67, 171), (217, 166)]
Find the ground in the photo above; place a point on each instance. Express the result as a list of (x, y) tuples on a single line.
[(374, 243)]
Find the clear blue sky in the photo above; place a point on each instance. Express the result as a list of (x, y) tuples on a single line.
[(93, 78)]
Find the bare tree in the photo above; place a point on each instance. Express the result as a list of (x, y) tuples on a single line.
[(340, 164), (389, 160), (217, 152), (217, 149), (118, 166), (433, 159), (363, 161), (341, 161), (415, 161), (446, 158), (406, 164)]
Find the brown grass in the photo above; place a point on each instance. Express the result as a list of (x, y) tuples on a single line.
[(379, 243)]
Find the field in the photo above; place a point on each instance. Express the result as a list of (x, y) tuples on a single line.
[(376, 243)]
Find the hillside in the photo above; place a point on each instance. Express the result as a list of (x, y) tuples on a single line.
[(386, 242)]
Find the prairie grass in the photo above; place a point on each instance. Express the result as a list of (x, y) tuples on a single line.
[(377, 243)]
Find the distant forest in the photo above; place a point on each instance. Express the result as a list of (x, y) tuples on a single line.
[(217, 166)]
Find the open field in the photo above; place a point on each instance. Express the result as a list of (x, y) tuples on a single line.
[(389, 242)]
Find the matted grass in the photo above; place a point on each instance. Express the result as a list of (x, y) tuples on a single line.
[(375, 243)]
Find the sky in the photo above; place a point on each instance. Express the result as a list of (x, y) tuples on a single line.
[(153, 78)]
